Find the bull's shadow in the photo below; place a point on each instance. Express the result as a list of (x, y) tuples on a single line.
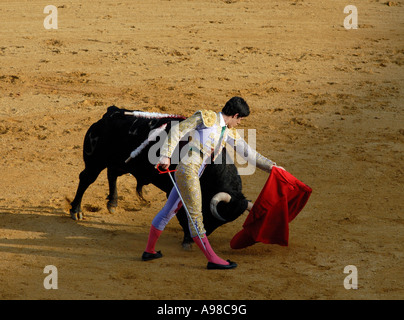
[(46, 231)]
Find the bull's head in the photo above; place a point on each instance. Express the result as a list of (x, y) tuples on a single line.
[(225, 197)]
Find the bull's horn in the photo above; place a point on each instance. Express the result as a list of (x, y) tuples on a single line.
[(221, 196), (249, 206)]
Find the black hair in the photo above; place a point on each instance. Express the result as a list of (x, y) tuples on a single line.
[(236, 105)]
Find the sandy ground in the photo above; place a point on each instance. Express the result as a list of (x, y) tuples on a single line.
[(327, 104)]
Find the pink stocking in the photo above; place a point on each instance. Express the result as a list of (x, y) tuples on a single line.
[(153, 237), (209, 253)]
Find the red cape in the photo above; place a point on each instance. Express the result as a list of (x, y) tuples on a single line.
[(279, 202)]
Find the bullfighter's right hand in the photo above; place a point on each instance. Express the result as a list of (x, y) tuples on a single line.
[(164, 163)]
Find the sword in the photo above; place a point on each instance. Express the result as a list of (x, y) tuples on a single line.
[(182, 200)]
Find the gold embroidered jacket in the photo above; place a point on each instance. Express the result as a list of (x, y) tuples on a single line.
[(205, 129)]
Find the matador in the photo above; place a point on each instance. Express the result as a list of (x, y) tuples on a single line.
[(209, 132)]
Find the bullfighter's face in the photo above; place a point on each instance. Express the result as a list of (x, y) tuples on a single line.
[(234, 121)]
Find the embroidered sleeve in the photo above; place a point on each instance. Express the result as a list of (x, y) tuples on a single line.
[(178, 131), (248, 153)]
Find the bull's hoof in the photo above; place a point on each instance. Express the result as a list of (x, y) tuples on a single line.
[(111, 207), (76, 215), (187, 246)]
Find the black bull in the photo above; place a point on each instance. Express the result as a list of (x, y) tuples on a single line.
[(109, 142)]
